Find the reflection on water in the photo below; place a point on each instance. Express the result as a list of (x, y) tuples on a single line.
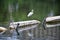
[(38, 34), (23, 34), (51, 13), (8, 38), (15, 38)]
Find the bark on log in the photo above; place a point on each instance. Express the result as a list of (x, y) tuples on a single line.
[(24, 23), (2, 30), (54, 18), (53, 21)]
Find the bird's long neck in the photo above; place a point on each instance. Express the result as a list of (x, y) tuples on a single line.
[(17, 29)]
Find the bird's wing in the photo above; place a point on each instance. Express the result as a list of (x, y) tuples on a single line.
[(30, 14)]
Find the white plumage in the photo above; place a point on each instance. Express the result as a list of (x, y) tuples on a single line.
[(30, 13)]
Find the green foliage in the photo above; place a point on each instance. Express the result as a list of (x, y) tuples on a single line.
[(41, 9)]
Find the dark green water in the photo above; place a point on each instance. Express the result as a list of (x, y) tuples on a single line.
[(20, 9)]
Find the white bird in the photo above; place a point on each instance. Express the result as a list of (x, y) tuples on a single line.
[(30, 13)]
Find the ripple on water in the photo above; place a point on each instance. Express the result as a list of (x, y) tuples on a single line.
[(8, 38)]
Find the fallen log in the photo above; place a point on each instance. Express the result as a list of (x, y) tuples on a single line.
[(53, 21), (52, 25), (54, 18), (24, 24), (2, 30)]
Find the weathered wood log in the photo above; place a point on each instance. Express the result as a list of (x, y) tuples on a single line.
[(23, 23), (53, 21), (54, 18), (52, 25), (2, 30)]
